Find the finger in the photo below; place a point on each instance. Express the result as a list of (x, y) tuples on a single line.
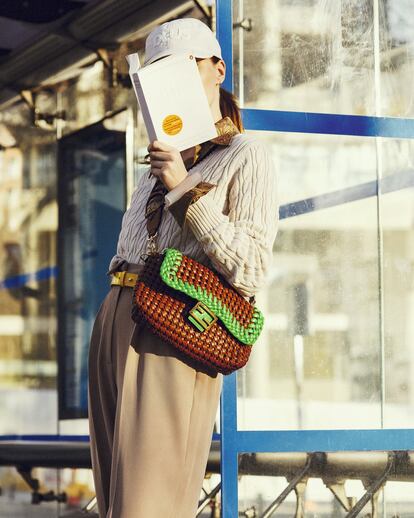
[(158, 169), (160, 155), (157, 145), (157, 164)]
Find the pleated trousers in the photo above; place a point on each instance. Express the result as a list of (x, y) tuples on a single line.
[(151, 418)]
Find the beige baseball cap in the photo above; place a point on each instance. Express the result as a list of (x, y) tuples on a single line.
[(182, 36)]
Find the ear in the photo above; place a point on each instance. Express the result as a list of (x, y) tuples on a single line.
[(220, 71)]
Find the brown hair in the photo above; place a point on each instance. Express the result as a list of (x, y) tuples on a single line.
[(229, 105)]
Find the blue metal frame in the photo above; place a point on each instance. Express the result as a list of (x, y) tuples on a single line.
[(18, 281), (234, 441), (45, 437), (328, 123)]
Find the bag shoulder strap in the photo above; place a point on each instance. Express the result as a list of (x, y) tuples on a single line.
[(154, 214)]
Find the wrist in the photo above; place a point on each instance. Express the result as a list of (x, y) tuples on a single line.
[(179, 182)]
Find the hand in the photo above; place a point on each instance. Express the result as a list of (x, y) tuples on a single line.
[(167, 164)]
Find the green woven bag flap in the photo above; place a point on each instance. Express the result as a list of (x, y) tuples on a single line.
[(169, 274)]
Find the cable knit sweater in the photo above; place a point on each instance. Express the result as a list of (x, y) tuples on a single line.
[(232, 227)]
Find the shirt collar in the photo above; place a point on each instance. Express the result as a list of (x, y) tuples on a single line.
[(226, 129)]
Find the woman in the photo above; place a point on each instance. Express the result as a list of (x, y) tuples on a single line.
[(151, 414)]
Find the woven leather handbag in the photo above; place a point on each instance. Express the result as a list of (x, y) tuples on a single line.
[(192, 306), (196, 310)]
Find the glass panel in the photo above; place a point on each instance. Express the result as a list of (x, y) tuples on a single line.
[(332, 486), (91, 205), (399, 497), (397, 210), (396, 58), (317, 363), (28, 223), (258, 493), (319, 56), (397, 158), (310, 165)]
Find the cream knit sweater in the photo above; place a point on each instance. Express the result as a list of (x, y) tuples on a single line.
[(232, 227)]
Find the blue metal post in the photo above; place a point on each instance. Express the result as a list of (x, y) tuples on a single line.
[(228, 446), (224, 32), (228, 408)]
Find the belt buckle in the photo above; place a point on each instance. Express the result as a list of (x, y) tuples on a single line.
[(121, 277)]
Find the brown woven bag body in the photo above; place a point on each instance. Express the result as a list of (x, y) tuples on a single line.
[(197, 311)]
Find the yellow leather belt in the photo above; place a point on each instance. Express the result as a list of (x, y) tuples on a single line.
[(124, 279)]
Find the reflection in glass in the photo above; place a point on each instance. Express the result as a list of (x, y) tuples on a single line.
[(317, 365), (91, 205), (398, 252), (328, 265), (397, 159), (322, 56), (311, 165), (28, 226)]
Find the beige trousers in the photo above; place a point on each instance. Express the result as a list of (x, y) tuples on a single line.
[(151, 418)]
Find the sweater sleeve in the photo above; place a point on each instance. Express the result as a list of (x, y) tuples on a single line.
[(240, 244)]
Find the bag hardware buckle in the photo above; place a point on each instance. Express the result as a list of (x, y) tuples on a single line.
[(202, 317)]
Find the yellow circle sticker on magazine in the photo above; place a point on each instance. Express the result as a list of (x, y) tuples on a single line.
[(172, 124)]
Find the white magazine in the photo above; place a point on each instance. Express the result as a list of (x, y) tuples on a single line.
[(173, 101)]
